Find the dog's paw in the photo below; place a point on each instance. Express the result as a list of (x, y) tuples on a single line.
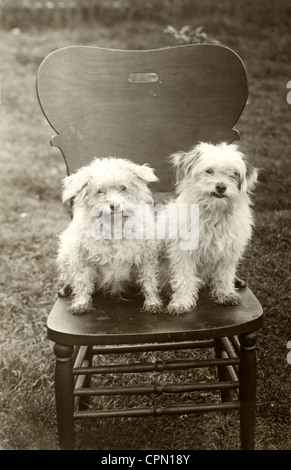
[(231, 298), (239, 283), (65, 291), (177, 308), (78, 307), (153, 306)]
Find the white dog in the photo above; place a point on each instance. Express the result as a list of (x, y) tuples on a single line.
[(88, 262), (218, 179)]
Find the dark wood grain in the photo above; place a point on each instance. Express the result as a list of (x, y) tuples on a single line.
[(116, 322), (247, 393), (96, 109), (64, 386)]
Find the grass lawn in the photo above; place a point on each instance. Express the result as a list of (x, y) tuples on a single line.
[(32, 215)]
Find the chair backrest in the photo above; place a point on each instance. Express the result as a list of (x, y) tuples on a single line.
[(140, 105)]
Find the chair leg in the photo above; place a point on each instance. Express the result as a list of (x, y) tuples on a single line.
[(247, 379), (226, 395), (84, 401), (64, 388)]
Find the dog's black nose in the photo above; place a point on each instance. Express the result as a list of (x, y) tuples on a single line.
[(220, 187), (115, 207)]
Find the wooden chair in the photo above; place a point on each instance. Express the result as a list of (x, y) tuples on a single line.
[(144, 105)]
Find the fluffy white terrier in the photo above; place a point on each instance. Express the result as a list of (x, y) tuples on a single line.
[(219, 179), (87, 264)]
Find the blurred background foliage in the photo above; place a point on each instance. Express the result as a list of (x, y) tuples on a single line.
[(56, 13)]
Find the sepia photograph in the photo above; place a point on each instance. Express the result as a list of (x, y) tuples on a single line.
[(145, 227)]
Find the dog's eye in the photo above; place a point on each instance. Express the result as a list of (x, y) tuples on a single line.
[(209, 171), (235, 175), (100, 191), (123, 188)]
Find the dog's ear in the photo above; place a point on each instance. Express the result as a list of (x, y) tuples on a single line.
[(73, 184), (145, 173), (183, 162), (251, 177)]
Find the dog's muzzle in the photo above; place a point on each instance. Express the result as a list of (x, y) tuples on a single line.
[(220, 189), (114, 208), (118, 209)]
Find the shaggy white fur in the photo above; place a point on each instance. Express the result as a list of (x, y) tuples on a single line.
[(219, 179), (86, 263)]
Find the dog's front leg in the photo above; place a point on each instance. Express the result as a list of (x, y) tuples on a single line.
[(82, 289), (223, 284), (148, 279), (184, 281)]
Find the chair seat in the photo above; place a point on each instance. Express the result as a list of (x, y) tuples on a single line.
[(123, 322)]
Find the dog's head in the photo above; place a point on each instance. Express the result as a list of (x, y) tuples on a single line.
[(215, 172), (112, 182)]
